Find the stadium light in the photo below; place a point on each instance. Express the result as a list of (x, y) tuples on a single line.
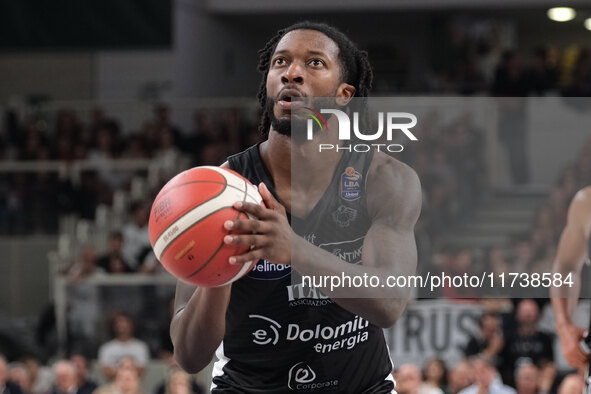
[(561, 14), (588, 23)]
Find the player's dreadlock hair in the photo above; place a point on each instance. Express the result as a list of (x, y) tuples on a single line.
[(355, 67)]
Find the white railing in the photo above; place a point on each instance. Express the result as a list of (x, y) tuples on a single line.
[(131, 114), (73, 170), (60, 292)]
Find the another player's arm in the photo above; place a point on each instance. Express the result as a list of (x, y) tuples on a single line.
[(571, 255), (199, 323), (394, 201)]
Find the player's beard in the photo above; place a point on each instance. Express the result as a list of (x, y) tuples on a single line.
[(282, 126), (297, 123)]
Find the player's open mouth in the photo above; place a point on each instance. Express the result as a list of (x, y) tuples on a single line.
[(290, 99)]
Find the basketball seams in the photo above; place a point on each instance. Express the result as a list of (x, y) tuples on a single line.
[(156, 246), (253, 198), (225, 183), (174, 187), (234, 188), (220, 247)]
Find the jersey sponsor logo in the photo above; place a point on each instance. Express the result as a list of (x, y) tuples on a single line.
[(329, 338), (299, 294), (269, 334), (349, 251), (350, 184), (265, 270), (323, 338), (302, 377), (344, 215)]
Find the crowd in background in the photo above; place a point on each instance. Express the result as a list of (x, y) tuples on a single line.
[(508, 349), (508, 353), (99, 140), (531, 252), (448, 162), (481, 57)]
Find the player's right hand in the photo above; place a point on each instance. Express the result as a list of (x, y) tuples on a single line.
[(570, 338)]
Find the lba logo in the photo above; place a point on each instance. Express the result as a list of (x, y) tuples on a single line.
[(389, 121)]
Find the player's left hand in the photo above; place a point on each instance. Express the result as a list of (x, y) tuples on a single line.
[(268, 233)]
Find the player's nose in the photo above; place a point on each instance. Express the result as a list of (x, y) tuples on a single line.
[(293, 74)]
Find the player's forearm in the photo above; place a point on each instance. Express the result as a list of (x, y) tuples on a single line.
[(381, 306), (199, 328), (565, 298)]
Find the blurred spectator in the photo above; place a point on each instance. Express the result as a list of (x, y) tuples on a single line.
[(134, 149), (470, 79), (461, 263), (488, 342), (511, 85), (178, 382), (486, 380), (547, 382), (126, 381), (113, 261), (435, 374), (162, 121), (460, 377), (409, 381), (83, 301), (85, 266), (511, 79), (6, 386), (167, 156), (203, 134), (526, 379), (136, 238), (166, 348), (558, 205), (123, 344), (542, 75), (580, 84), (65, 378), (41, 376), (572, 384), (13, 192), (523, 253), (106, 150), (83, 382), (18, 374), (527, 344)]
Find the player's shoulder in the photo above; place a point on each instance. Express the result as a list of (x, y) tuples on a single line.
[(581, 202), (388, 171), (393, 188), (584, 194)]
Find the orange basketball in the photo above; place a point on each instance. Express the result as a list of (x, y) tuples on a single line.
[(187, 225)]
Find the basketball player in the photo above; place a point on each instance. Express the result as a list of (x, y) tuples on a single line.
[(573, 251), (269, 335)]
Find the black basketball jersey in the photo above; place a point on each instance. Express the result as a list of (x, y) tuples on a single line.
[(281, 337)]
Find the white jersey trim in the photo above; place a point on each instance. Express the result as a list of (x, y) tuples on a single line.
[(390, 377), (218, 366)]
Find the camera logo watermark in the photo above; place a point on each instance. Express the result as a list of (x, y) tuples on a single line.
[(388, 123)]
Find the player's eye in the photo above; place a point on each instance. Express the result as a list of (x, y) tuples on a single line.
[(279, 61), (316, 62)]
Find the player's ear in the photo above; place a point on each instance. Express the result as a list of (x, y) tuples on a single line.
[(345, 93)]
